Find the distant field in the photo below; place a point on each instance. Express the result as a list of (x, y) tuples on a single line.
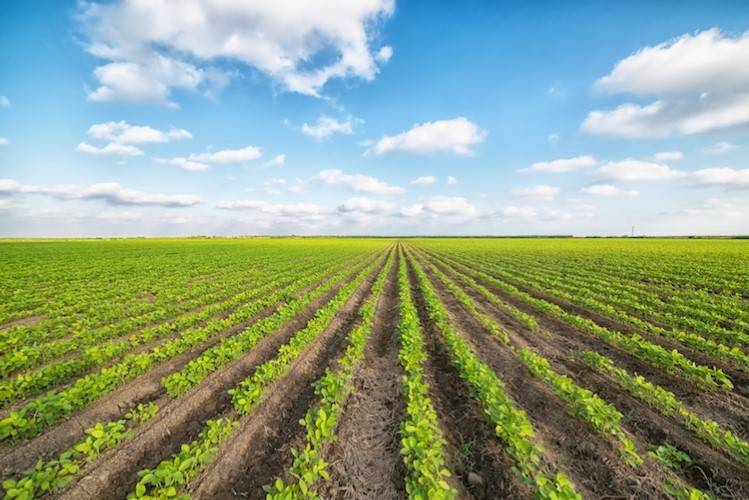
[(375, 368)]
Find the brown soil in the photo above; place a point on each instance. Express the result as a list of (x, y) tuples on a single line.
[(711, 471), (591, 461), (365, 461), (115, 474), (28, 321), (17, 457), (724, 407), (261, 449), (473, 448)]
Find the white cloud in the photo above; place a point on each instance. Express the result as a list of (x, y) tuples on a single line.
[(560, 166), (668, 156), (184, 164), (637, 170), (451, 181), (357, 182), (456, 136), (226, 156), (112, 193), (450, 206), (276, 161), (720, 147), (4, 102), (721, 176), (714, 207), (123, 133), (608, 190), (113, 148), (152, 48), (327, 126), (366, 206), (424, 181), (553, 139), (290, 210), (384, 54), (700, 81), (524, 212), (4, 141), (540, 192)]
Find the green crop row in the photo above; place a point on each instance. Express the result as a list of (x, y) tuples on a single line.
[(511, 424), (174, 473), (667, 403), (321, 421), (670, 361), (24, 385), (231, 348), (170, 475), (422, 441), (50, 477), (47, 409)]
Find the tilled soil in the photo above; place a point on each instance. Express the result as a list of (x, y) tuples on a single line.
[(365, 461), (261, 449)]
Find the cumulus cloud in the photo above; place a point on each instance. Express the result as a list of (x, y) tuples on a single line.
[(721, 176), (112, 193), (513, 211), (720, 147), (276, 161), (202, 161), (700, 83), (608, 190), (366, 206), (327, 126), (637, 170), (113, 148), (123, 133), (451, 181), (424, 181), (357, 182), (560, 166), (713, 207), (151, 48), (450, 206), (541, 192), (290, 210), (668, 156), (455, 136)]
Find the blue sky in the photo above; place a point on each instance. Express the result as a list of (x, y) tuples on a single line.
[(374, 117)]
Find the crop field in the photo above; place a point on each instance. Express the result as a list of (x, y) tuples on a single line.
[(374, 368)]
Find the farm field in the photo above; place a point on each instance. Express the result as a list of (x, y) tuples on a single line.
[(374, 368)]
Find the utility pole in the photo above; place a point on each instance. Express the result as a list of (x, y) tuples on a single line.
[(633, 231)]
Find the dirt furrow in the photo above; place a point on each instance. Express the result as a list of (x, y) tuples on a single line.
[(261, 449), (365, 461), (592, 462), (724, 407), (482, 467), (115, 473)]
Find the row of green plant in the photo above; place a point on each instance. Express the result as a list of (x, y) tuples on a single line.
[(28, 384), (321, 420), (49, 477), (231, 348), (32, 354), (422, 440), (556, 287), (172, 475), (511, 424), (667, 403), (697, 312), (587, 406), (48, 409), (670, 361)]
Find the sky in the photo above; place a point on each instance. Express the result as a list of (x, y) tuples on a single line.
[(381, 117)]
